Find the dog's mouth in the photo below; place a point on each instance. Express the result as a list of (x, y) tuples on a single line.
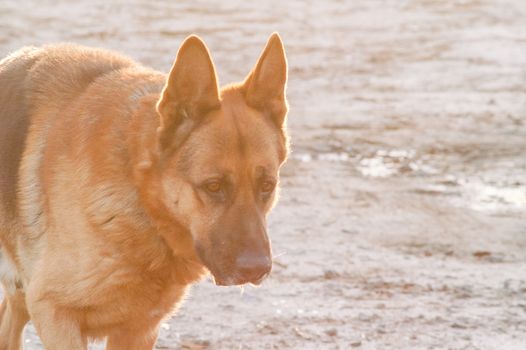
[(236, 280)]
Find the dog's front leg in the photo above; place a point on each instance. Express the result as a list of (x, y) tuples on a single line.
[(13, 317), (56, 327), (133, 339)]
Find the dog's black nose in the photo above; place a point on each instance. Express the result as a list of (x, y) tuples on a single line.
[(253, 267)]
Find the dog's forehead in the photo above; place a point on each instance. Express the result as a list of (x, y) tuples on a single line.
[(240, 131), (236, 137), (248, 129)]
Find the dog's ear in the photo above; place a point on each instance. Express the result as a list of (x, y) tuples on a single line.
[(266, 83), (190, 91)]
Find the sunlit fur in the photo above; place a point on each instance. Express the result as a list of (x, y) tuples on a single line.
[(103, 219)]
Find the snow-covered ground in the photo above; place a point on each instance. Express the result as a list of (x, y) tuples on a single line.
[(402, 222)]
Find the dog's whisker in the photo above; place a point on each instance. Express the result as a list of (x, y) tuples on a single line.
[(278, 255)]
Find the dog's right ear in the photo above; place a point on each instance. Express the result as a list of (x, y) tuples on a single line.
[(266, 83), (190, 91)]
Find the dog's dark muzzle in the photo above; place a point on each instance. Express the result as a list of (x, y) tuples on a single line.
[(239, 251)]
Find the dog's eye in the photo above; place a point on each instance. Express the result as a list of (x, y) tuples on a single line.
[(267, 186), (214, 187)]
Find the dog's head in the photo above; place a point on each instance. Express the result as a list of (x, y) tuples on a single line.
[(220, 152)]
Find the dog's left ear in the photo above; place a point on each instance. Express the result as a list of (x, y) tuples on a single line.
[(191, 91), (266, 83)]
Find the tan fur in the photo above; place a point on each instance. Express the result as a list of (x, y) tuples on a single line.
[(106, 216)]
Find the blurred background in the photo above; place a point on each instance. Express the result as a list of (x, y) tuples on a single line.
[(401, 223)]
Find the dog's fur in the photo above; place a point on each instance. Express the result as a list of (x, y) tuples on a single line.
[(121, 186)]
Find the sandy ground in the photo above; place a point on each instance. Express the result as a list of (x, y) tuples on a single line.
[(402, 218)]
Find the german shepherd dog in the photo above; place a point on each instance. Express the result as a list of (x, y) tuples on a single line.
[(121, 186)]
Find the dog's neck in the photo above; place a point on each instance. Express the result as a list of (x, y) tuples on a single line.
[(181, 259)]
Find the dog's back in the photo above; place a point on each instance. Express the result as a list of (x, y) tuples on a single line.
[(39, 81)]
